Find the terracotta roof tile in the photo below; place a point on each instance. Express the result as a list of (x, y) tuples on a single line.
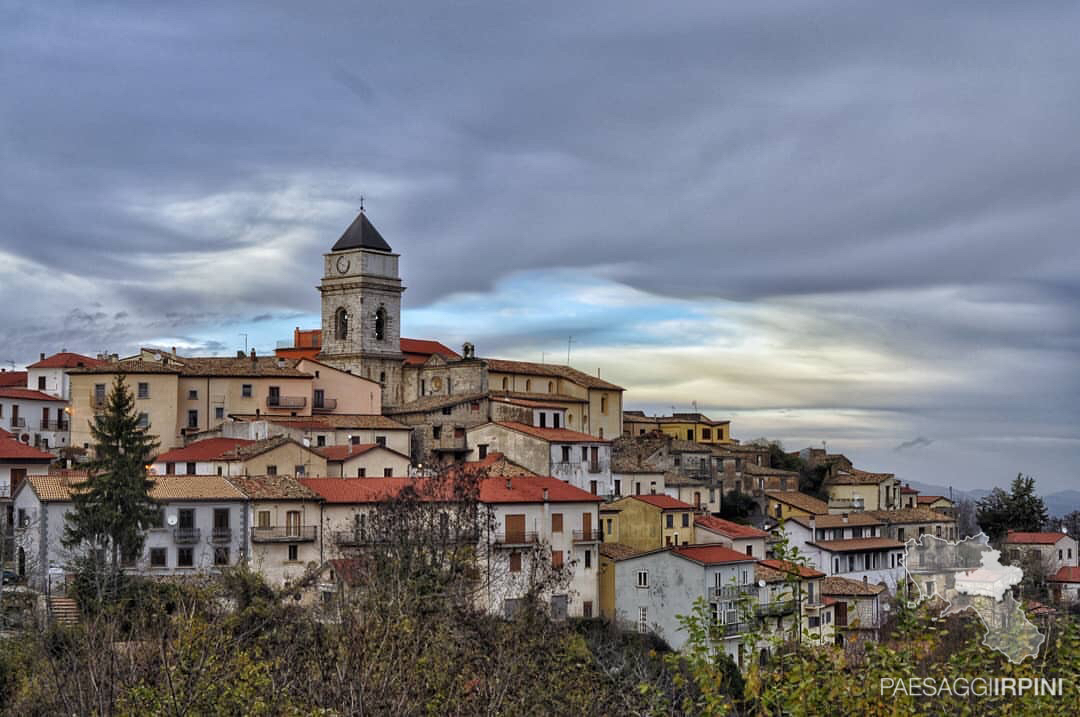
[(928, 499), (536, 396), (837, 521), (523, 489), (277, 487), (28, 394), (712, 554), (1066, 574), (134, 366), (728, 528), (782, 568), (854, 476), (799, 500), (552, 435), (210, 449), (15, 451), (618, 551), (910, 515), (1020, 538), (16, 379), (432, 403), (836, 585), (168, 488), (664, 502), (66, 359)]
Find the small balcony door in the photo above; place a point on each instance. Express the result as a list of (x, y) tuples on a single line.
[(185, 519), (586, 525), (274, 397), (292, 523), (318, 398), (221, 518)]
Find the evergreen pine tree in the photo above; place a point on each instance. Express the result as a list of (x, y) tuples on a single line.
[(113, 508), (1027, 508)]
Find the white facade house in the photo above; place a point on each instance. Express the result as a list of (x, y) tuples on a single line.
[(871, 560), (653, 589), (578, 458), (202, 526), (365, 460), (744, 539), (49, 374), (527, 518), (802, 530), (18, 460), (1055, 550), (34, 417)]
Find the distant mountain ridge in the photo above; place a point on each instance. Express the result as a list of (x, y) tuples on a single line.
[(1058, 503)]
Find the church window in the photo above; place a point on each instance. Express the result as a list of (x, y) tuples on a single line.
[(528, 385), (341, 323), (551, 387), (382, 377), (506, 383), (380, 324)]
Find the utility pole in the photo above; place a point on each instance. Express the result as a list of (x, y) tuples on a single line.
[(245, 342)]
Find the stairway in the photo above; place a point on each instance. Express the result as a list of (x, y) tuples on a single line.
[(63, 610)]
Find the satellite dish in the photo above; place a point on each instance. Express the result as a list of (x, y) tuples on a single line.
[(307, 443), (171, 520), (885, 607), (761, 583)]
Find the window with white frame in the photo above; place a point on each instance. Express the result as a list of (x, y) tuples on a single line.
[(643, 619), (643, 579)]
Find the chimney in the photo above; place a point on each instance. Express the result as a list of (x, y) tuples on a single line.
[(843, 517), (173, 350), (254, 360), (813, 527), (508, 484), (545, 495), (42, 356)]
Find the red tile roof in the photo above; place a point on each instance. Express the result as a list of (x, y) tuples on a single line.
[(552, 435), (729, 529), (1066, 574), (663, 502), (787, 567), (1033, 538), (14, 451), (712, 554), (907, 489), (417, 351), (931, 499), (12, 378), (66, 359), (210, 449), (523, 489), (27, 394)]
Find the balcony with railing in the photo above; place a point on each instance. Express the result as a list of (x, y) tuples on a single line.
[(55, 425), (775, 608), (366, 538), (732, 592), (284, 534), (325, 405), (17, 422), (588, 536), (730, 629), (515, 540), (273, 401), (186, 536), (221, 535), (450, 443), (573, 468)]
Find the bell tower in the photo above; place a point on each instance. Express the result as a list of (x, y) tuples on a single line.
[(361, 308)]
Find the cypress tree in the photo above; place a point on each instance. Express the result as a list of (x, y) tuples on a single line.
[(113, 508)]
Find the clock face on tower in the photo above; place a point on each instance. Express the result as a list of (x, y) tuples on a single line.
[(342, 264)]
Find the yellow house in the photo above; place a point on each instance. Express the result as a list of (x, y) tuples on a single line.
[(610, 556), (155, 387), (593, 405), (277, 455), (695, 427), (649, 522), (853, 489), (783, 504)]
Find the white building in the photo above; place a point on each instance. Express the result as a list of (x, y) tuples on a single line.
[(49, 375), (18, 460), (365, 460), (870, 560), (527, 518), (1055, 550), (744, 539), (653, 589), (35, 417)]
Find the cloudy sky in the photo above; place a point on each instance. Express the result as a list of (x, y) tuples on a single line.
[(841, 222)]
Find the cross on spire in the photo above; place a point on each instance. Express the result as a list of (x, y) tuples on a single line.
[(361, 202)]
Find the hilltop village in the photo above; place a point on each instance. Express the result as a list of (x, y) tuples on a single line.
[(280, 461)]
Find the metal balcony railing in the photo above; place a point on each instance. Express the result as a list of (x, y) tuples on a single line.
[(732, 592), (776, 607), (186, 536), (730, 628), (588, 536), (284, 534), (515, 540), (327, 404), (286, 401), (55, 425), (18, 422), (221, 535)]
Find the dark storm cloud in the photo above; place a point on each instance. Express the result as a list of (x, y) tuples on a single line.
[(920, 442), (903, 173)]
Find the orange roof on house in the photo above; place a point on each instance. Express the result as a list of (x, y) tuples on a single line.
[(12, 378), (14, 451), (853, 544), (728, 528), (1020, 538), (1066, 574), (516, 489), (28, 394), (663, 502), (712, 554), (337, 454), (417, 351), (210, 449), (552, 435), (67, 359), (931, 499), (787, 567)]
